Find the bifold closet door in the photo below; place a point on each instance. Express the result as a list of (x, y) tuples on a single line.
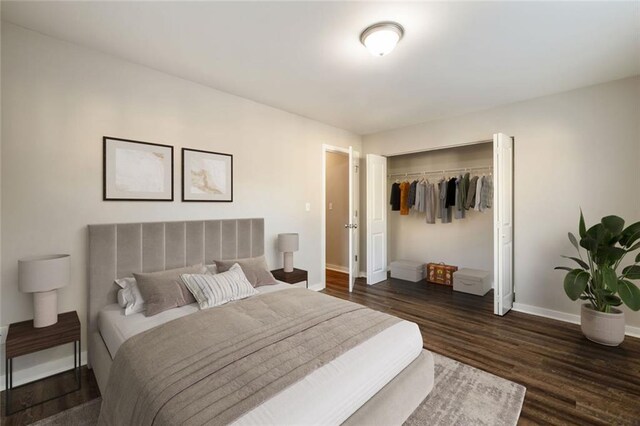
[(503, 223), (376, 218)]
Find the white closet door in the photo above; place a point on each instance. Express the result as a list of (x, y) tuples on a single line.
[(354, 200), (503, 222), (376, 218)]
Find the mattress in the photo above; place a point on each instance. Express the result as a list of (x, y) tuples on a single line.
[(328, 395)]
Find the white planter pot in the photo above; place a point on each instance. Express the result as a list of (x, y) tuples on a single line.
[(601, 327)]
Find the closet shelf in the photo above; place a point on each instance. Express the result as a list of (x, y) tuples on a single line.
[(397, 174)]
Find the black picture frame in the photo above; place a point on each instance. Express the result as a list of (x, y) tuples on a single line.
[(105, 165), (201, 200)]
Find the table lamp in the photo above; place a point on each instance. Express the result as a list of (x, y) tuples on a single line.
[(42, 276), (287, 244)]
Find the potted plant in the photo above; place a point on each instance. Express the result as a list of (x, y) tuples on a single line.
[(598, 281)]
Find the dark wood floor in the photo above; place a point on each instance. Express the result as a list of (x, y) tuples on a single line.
[(569, 379), (44, 389)]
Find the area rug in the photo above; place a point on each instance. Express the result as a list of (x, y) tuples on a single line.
[(462, 395)]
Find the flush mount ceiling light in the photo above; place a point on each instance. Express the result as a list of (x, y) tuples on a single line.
[(381, 38)]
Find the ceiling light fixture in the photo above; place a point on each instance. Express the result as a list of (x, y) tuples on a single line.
[(382, 38)]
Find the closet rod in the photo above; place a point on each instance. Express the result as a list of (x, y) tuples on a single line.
[(439, 172)]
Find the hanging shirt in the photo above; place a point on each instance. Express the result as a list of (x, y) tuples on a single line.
[(478, 201), (404, 198), (451, 193), (464, 189), (430, 202), (395, 197), (412, 193), (459, 207), (436, 191), (471, 194), (421, 189), (445, 214), (487, 192)]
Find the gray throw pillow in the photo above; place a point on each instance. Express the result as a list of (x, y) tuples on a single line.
[(165, 290), (254, 268)]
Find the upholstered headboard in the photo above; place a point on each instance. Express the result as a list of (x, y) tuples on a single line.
[(118, 250)]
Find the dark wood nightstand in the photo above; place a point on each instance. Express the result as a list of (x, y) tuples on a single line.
[(23, 339), (298, 277)]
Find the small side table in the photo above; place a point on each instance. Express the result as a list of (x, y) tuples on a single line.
[(297, 278), (23, 339)]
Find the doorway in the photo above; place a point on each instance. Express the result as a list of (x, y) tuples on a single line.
[(340, 216), (337, 215), (377, 233)]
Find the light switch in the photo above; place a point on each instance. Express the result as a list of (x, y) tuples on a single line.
[(330, 206), (307, 207)]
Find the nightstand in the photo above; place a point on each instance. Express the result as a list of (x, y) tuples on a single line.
[(23, 339), (297, 278)]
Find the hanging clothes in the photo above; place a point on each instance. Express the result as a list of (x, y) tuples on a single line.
[(451, 192), (464, 189), (412, 193), (487, 192), (395, 197), (404, 198), (478, 200), (431, 202), (436, 189), (421, 199), (471, 194), (445, 214), (459, 207)]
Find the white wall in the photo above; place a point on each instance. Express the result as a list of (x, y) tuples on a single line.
[(574, 149), (59, 99), (466, 243), (337, 206)]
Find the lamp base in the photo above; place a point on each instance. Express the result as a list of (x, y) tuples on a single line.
[(288, 261), (45, 308)]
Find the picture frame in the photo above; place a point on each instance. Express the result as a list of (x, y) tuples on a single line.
[(207, 176), (136, 171)]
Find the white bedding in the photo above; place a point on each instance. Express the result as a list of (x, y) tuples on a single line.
[(329, 395)]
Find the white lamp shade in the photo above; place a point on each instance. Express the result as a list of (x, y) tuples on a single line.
[(43, 273), (288, 243)]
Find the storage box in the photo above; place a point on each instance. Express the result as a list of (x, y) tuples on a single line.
[(407, 270), (472, 281), (439, 273)]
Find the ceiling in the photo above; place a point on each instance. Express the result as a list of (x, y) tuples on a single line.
[(306, 58)]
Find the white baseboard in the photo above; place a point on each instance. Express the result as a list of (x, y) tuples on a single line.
[(563, 316), (337, 268), (42, 370), (363, 274)]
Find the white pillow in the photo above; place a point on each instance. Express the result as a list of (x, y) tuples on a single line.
[(129, 297), (215, 290)]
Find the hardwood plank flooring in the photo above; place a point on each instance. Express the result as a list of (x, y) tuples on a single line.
[(43, 389), (569, 379)]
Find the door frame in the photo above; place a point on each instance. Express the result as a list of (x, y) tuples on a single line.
[(323, 230), (449, 146)]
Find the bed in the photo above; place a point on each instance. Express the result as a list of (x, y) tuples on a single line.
[(379, 379)]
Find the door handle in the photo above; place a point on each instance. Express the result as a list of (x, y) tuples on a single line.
[(351, 225)]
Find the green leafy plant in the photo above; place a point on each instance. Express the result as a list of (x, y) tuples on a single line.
[(597, 279)]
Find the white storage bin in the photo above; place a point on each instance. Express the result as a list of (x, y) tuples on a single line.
[(472, 281), (407, 270)]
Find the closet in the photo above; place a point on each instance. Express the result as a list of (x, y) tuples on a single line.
[(440, 207)]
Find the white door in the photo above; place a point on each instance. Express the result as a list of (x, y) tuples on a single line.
[(503, 222), (376, 218), (354, 199)]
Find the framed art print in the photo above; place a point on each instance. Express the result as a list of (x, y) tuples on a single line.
[(137, 171), (206, 176)]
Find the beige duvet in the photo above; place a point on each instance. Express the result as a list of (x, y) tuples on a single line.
[(213, 366)]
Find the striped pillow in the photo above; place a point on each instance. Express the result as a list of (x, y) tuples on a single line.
[(215, 290)]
